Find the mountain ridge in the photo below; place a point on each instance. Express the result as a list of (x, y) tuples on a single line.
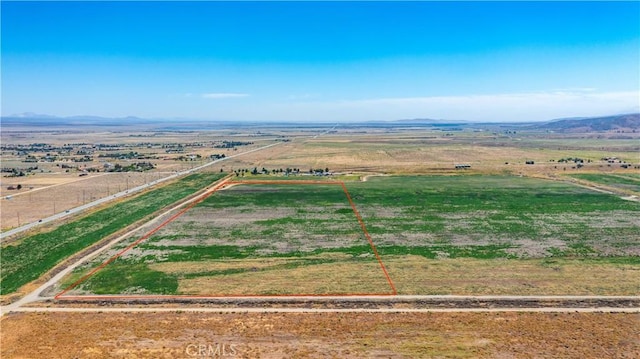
[(619, 122)]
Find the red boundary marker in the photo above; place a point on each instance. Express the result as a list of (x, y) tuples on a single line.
[(149, 234), (366, 234), (228, 181)]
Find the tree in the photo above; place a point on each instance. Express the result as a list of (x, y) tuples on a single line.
[(19, 187)]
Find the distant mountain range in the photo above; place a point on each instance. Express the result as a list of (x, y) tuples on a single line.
[(625, 122), (34, 119)]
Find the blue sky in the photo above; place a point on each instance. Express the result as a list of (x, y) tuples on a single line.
[(321, 61)]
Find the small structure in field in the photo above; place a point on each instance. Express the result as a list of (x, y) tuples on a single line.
[(462, 166)]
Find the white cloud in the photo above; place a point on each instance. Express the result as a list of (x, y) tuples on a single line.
[(219, 95), (501, 107), (533, 106)]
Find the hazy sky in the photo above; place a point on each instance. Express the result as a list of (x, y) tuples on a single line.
[(321, 61)]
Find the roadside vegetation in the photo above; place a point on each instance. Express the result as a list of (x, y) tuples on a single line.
[(29, 258)]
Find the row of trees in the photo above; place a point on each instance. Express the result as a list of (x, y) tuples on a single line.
[(283, 171), (133, 167), (18, 172), (232, 144)]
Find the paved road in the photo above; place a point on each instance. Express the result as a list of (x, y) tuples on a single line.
[(100, 201)]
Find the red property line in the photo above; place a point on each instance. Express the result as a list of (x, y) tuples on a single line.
[(225, 182), (366, 233), (206, 296), (353, 206), (284, 182), (149, 234)]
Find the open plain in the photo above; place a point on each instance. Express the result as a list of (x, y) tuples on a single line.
[(382, 223)]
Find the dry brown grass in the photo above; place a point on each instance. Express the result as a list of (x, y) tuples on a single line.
[(429, 151), (271, 276), (468, 276), (343, 335), (412, 275), (53, 193)]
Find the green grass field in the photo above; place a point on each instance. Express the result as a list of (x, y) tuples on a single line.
[(274, 229), (248, 235), (29, 258), (523, 216)]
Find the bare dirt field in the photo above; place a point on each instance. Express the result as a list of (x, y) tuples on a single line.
[(320, 335), (46, 194)]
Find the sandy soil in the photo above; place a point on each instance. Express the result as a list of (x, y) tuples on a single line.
[(311, 335)]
